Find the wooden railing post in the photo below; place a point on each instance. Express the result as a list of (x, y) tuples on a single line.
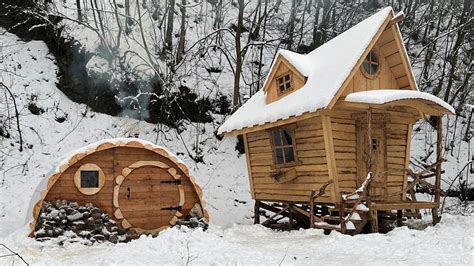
[(342, 209), (256, 210), (439, 158), (311, 209)]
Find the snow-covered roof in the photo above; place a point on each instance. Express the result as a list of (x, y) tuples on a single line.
[(326, 69), (387, 96)]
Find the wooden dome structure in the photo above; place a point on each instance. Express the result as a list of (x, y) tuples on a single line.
[(139, 184)]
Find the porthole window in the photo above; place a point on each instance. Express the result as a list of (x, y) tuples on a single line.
[(371, 65), (89, 179)]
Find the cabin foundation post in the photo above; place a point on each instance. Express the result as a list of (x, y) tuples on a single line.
[(399, 218), (290, 217), (439, 158), (256, 209), (374, 223), (311, 209)]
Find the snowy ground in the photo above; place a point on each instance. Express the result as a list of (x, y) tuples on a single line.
[(450, 242), (231, 238)]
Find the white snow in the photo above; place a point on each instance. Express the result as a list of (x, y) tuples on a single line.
[(450, 242), (387, 96), (362, 207), (326, 69), (356, 217)]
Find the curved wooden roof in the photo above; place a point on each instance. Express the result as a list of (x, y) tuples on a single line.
[(44, 187)]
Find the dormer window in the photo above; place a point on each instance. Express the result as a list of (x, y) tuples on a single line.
[(284, 83), (370, 66)]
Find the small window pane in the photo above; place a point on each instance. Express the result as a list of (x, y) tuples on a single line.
[(287, 77), (289, 155), (373, 69), (276, 138), (366, 67), (287, 137), (282, 87), (90, 179), (279, 156)]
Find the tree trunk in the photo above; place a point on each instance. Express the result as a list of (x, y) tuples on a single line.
[(238, 56), (169, 26), (291, 25), (79, 11), (182, 33)]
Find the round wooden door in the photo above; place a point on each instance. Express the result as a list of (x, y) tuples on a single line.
[(149, 197)]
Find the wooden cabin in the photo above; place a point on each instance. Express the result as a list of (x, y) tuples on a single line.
[(140, 185), (324, 120)]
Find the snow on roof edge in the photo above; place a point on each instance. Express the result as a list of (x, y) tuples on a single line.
[(386, 96)]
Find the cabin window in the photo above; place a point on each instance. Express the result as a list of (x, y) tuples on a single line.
[(284, 83), (283, 146), (374, 144), (89, 179), (370, 66)]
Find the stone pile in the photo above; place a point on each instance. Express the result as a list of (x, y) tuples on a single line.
[(64, 218), (194, 219)]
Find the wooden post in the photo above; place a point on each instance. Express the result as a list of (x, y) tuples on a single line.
[(290, 217), (256, 209), (374, 223), (369, 140), (342, 211), (311, 210), (399, 218), (439, 158)]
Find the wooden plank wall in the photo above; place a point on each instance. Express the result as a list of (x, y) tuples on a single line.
[(393, 71), (397, 140), (344, 135), (312, 171), (112, 161)]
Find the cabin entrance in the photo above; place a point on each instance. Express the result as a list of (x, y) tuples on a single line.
[(149, 197), (376, 148)]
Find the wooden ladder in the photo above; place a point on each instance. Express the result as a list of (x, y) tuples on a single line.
[(354, 226)]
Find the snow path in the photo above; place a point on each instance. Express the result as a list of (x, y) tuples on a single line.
[(450, 242)]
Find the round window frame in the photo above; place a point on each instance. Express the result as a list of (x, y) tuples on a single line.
[(362, 69), (89, 167)]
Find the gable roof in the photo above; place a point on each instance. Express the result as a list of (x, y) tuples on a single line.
[(326, 69)]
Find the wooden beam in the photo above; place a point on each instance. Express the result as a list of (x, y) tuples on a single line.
[(407, 159), (397, 19), (249, 166), (330, 156), (439, 159), (403, 205), (404, 56)]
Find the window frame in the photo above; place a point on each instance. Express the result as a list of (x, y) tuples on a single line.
[(89, 190), (364, 72), (292, 130), (287, 90)]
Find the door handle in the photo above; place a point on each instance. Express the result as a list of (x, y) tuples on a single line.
[(128, 189)]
